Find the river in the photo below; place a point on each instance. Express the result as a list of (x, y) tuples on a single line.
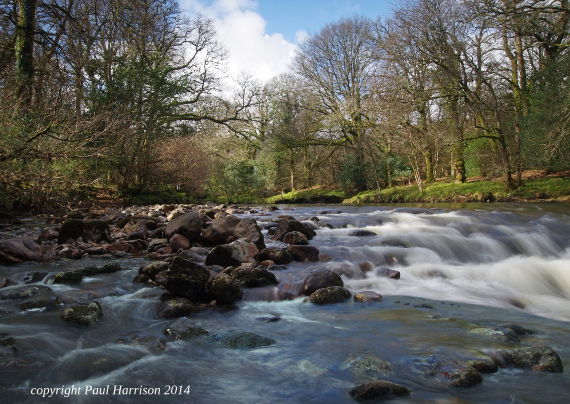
[(464, 269)]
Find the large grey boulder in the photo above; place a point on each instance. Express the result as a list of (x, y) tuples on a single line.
[(189, 225)]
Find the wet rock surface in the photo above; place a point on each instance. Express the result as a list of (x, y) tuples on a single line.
[(378, 390), (536, 358), (82, 314)]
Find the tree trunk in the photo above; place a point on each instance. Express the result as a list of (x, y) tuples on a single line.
[(25, 50)]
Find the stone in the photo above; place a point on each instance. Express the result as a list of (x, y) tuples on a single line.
[(173, 308), (536, 358), (152, 269), (377, 390), (17, 250), (251, 277), (223, 289), (295, 238), (68, 277), (71, 252), (153, 344), (248, 229), (368, 365), (242, 340), (233, 254), (320, 278), (304, 253), (332, 294), (179, 242), (285, 226), (48, 234), (367, 297), (447, 371), (183, 278), (483, 365), (107, 268), (184, 328), (388, 273), (89, 230), (34, 276), (220, 231), (82, 314), (279, 256), (120, 246), (361, 233), (189, 225)]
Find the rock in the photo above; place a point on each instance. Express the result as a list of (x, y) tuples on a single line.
[(536, 358), (23, 292), (153, 344), (242, 340), (82, 314), (501, 333), (68, 277), (173, 308), (332, 294), (176, 213), (189, 225), (220, 231), (49, 234), (361, 233), (16, 250), (295, 238), (251, 277), (179, 242), (448, 371), (120, 246), (367, 297), (45, 298), (285, 226), (152, 269), (89, 230), (483, 365), (388, 273), (183, 278), (304, 253), (279, 256), (518, 329), (34, 276), (232, 254), (96, 250), (378, 389), (107, 268), (249, 230), (320, 278), (223, 289), (368, 365), (71, 252), (184, 328)]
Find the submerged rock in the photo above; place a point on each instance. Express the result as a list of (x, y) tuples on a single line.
[(367, 296), (320, 278), (368, 365), (184, 328), (378, 389), (388, 273), (242, 340), (153, 344), (82, 314), (332, 294), (447, 371), (361, 233), (252, 277), (483, 365), (304, 253), (536, 358)]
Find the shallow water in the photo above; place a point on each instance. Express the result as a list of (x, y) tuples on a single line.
[(477, 266)]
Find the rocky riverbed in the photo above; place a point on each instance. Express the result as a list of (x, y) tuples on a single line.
[(93, 297)]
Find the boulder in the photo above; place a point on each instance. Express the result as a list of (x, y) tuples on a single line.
[(361, 233), (447, 371), (304, 253), (242, 340), (332, 294), (184, 328), (49, 233), (179, 242), (248, 229), (189, 225), (368, 365), (107, 268), (82, 314), (285, 226), (34, 276), (183, 278), (120, 246), (89, 230), (483, 365), (68, 277), (173, 308), (16, 250), (295, 238), (320, 278), (251, 277), (220, 231), (379, 389), (223, 289), (536, 358), (152, 269), (279, 256), (367, 297), (388, 273), (232, 254)]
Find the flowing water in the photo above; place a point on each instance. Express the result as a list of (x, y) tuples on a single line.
[(465, 269)]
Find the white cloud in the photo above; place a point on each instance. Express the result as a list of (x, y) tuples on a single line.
[(242, 31)]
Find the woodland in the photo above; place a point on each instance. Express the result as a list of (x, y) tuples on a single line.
[(134, 96)]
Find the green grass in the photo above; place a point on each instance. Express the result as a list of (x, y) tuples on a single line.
[(312, 195)]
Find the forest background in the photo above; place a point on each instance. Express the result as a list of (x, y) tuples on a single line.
[(133, 96)]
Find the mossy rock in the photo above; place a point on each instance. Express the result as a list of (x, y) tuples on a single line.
[(82, 314)]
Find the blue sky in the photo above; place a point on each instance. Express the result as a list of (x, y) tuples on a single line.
[(262, 36)]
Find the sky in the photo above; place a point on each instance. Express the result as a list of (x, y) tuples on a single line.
[(261, 36)]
